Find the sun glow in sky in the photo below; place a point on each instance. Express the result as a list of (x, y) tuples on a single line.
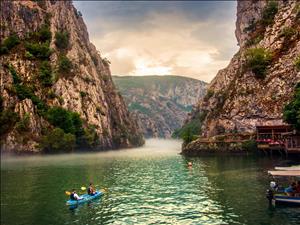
[(194, 39)]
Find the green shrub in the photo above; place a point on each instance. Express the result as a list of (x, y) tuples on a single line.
[(61, 100), (3, 50), (62, 39), (8, 119), (249, 145), (137, 106), (45, 74), (9, 43), (91, 136), (23, 91), (41, 106), (258, 59), (64, 64), (28, 55), (297, 63), (287, 32), (44, 33), (83, 94), (190, 130), (291, 111), (39, 50), (67, 120), (57, 140), (23, 124), (188, 135), (137, 140), (254, 41), (209, 94), (269, 13), (51, 94), (14, 74)]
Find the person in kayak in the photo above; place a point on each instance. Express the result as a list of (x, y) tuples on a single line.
[(91, 190), (74, 196)]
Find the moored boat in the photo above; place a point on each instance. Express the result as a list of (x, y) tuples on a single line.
[(284, 199), (277, 195), (290, 168)]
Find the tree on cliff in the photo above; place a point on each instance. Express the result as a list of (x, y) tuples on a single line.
[(291, 112)]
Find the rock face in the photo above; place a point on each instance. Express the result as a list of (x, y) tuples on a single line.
[(236, 99), (87, 88), (160, 103)]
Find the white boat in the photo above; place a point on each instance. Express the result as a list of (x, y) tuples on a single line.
[(290, 168), (288, 200), (282, 198), (284, 173)]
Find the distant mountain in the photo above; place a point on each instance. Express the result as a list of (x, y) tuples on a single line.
[(160, 103)]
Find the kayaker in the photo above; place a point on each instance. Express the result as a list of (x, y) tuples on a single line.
[(290, 191), (74, 196), (91, 190)]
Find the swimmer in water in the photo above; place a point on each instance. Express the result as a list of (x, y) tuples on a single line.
[(190, 164)]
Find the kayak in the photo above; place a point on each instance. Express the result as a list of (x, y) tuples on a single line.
[(85, 198)]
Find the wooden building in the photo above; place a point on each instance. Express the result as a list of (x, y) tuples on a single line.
[(272, 132), (292, 142), (281, 138)]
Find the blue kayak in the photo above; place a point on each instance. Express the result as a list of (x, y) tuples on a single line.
[(85, 198)]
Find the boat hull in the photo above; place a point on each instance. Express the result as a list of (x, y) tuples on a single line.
[(85, 198), (286, 200)]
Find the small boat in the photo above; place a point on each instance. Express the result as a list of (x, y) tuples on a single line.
[(277, 196), (287, 200), (290, 168), (85, 198)]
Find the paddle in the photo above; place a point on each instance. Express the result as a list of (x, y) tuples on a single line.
[(84, 188), (104, 190), (69, 193)]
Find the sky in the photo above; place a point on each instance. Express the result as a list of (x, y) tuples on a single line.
[(186, 38)]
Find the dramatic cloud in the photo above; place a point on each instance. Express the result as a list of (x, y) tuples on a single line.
[(193, 39)]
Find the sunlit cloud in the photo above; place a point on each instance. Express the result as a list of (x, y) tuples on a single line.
[(161, 40)]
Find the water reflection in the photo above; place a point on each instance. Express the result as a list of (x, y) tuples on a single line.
[(149, 185)]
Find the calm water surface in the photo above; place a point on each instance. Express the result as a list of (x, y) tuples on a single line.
[(148, 185)]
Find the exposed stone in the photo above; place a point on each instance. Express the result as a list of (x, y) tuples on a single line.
[(248, 101), (90, 74)]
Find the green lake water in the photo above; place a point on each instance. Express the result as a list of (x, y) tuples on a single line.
[(147, 185)]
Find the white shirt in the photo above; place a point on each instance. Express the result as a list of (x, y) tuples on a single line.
[(76, 196)]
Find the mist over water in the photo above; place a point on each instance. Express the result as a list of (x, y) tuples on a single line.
[(147, 185), (152, 148)]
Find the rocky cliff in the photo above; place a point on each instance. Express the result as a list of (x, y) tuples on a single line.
[(54, 83), (160, 103), (260, 79)]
